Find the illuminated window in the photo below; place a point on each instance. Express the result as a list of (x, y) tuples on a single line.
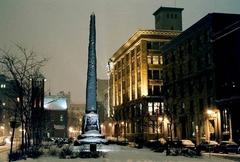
[(149, 59), (61, 118), (162, 107), (3, 85), (161, 60), (155, 60), (150, 108), (156, 107)]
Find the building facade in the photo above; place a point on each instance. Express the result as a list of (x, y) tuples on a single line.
[(7, 105), (136, 104), (136, 85), (56, 108), (201, 80)]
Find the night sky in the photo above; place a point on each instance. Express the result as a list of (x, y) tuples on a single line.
[(59, 29)]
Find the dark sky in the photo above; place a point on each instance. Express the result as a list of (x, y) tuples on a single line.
[(58, 30)]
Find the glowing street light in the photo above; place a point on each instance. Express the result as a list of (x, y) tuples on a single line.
[(209, 112)]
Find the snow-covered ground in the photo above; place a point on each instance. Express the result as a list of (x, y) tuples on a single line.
[(127, 154)]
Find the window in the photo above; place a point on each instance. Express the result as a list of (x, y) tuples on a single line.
[(149, 59), (161, 60), (162, 107), (153, 45), (61, 118), (161, 75), (149, 46), (155, 60), (150, 108), (3, 85), (150, 90), (156, 107), (149, 74), (182, 107), (156, 90), (156, 74)]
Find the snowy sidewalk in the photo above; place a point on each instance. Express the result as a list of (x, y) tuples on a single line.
[(128, 154)]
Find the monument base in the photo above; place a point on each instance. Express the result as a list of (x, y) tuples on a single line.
[(91, 130)]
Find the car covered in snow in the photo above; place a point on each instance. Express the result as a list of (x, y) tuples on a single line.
[(227, 146), (208, 146)]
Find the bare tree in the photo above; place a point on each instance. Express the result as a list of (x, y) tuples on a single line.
[(21, 66)]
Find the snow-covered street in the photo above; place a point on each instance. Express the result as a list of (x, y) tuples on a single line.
[(117, 153)]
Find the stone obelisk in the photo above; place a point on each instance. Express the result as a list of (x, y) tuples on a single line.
[(91, 131), (92, 70)]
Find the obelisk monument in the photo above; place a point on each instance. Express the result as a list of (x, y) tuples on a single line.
[(91, 131)]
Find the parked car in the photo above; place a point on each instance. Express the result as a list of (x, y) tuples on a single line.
[(208, 146), (189, 148), (111, 140), (226, 147), (157, 145), (122, 141), (185, 143)]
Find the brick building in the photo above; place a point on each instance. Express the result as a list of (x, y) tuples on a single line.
[(201, 80)]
